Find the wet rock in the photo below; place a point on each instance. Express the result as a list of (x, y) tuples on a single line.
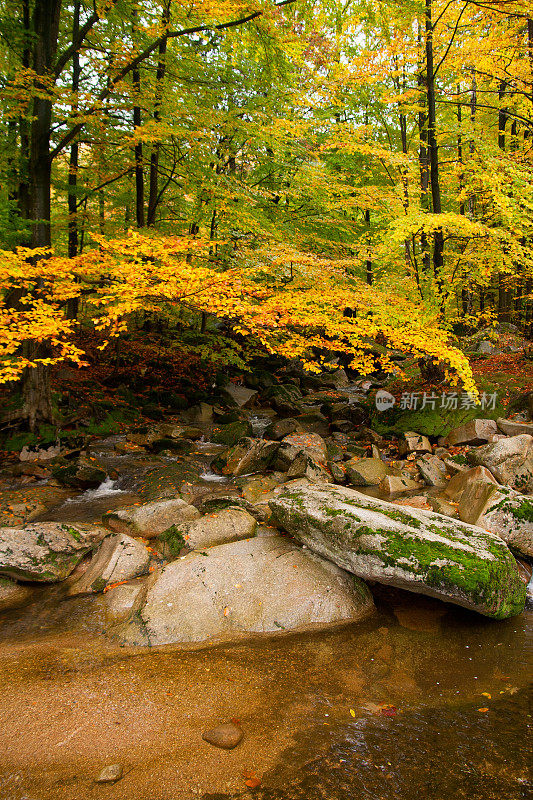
[(258, 489), (218, 502), (230, 434), (169, 481), (415, 550), (45, 551), (13, 595), (119, 558), (110, 774), (512, 428), (151, 519), (338, 473), (510, 460), (226, 736), (394, 484), (366, 471), (457, 485), (250, 455), (433, 470), (201, 414), (475, 432), (337, 379), (413, 443), (262, 585), (218, 527), (80, 475), (280, 428), (173, 431), (240, 395)]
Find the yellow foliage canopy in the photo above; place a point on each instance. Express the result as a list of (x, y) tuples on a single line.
[(293, 303)]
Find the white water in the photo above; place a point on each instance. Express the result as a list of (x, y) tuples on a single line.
[(104, 490)]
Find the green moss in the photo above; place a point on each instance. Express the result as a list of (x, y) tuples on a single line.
[(231, 433), (174, 539)]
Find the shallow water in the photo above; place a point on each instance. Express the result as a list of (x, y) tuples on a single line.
[(388, 709)]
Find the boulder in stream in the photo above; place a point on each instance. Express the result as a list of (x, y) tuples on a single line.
[(118, 559), (258, 586), (510, 460), (420, 551)]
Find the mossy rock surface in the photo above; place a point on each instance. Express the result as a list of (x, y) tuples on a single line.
[(428, 421), (231, 433), (419, 551)]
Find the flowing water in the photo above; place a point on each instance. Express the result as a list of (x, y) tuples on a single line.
[(422, 700)]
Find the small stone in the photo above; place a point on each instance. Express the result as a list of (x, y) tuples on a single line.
[(226, 736), (110, 774)]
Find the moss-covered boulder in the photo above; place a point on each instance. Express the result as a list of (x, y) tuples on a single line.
[(420, 551), (231, 433), (428, 421)]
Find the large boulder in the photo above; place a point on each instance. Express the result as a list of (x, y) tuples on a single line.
[(262, 585), (231, 433), (45, 552), (311, 443), (119, 558), (510, 460), (514, 428), (462, 480), (79, 474), (150, 519), (420, 551), (413, 443), (432, 469), (239, 395), (477, 431)]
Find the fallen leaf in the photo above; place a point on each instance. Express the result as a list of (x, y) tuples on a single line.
[(352, 712), (486, 694), (483, 710)]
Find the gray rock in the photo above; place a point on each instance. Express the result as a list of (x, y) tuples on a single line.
[(432, 469), (263, 585), (415, 550), (475, 432), (280, 428), (305, 466), (442, 506), (119, 558), (46, 552), (218, 527), (413, 443), (485, 346), (226, 736), (366, 471), (394, 484), (503, 512), (13, 595), (457, 485), (249, 456), (110, 774), (509, 460), (121, 602), (240, 395), (512, 428), (311, 443), (150, 519)]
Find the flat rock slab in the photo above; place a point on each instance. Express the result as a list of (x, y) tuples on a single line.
[(226, 736), (46, 552), (420, 551), (261, 585)]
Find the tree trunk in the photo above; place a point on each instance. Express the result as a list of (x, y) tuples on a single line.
[(73, 238), (153, 197), (438, 237), (42, 38), (137, 122)]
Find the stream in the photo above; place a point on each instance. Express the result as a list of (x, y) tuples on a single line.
[(423, 699)]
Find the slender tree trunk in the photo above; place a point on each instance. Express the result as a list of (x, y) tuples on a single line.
[(137, 122), (438, 236), (368, 263), (73, 237), (423, 159), (153, 198)]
